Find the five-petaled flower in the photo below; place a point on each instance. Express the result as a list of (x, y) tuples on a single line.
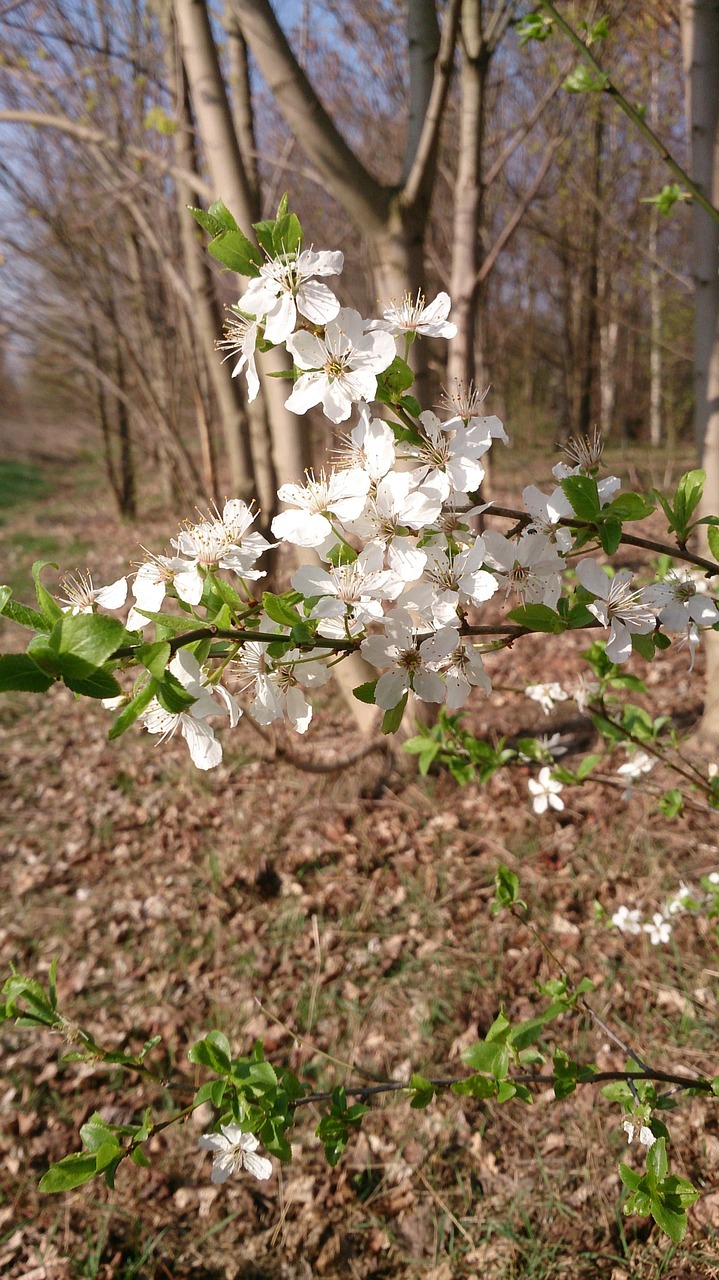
[(545, 790), (235, 1150), (340, 368)]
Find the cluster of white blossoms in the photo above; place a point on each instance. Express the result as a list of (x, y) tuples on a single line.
[(686, 900), (400, 571)]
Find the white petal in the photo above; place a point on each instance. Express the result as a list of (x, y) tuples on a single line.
[(390, 689), (205, 750), (281, 320), (317, 302), (259, 1166), (114, 596)]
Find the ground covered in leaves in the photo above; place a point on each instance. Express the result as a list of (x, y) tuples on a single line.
[(343, 914)]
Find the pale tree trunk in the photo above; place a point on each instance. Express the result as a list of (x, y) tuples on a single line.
[(392, 219), (655, 353), (206, 322), (468, 198), (589, 300), (224, 161), (242, 111), (700, 24), (608, 335)]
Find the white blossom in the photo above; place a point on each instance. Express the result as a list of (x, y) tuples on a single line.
[(279, 684), (82, 597), (450, 583), (545, 791), (398, 506), (341, 494), (340, 368), (414, 316), (646, 1137), (448, 457), (354, 591), (546, 510), (235, 1150), (152, 580), (639, 763), (530, 567), (618, 606), (627, 920), (679, 602), (205, 750), (286, 285), (659, 930), (547, 695), (410, 660), (465, 671), (369, 446), (222, 541), (241, 340)]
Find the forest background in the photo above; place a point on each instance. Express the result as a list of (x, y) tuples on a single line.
[(430, 143)]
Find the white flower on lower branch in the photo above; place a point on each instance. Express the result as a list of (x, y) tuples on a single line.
[(235, 1150), (545, 791), (205, 750)]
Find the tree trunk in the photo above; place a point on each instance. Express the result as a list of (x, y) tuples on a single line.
[(655, 353), (700, 23)]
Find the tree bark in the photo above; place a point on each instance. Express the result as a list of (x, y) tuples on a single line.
[(700, 29)]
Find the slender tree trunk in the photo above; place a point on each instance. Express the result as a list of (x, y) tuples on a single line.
[(608, 335), (588, 324), (468, 198), (224, 161), (700, 31), (655, 353)]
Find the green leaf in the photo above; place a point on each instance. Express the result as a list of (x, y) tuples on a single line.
[(610, 535), (421, 1091), (333, 1133), (478, 1086), (584, 79), (583, 495), (134, 708), (214, 1052), (89, 637), (657, 1162), (686, 499), (365, 692), (644, 646), (18, 672), (279, 609), (392, 384), (671, 803), (172, 695), (48, 605), (538, 617), (629, 506), (670, 1216), (534, 26), (392, 719), (264, 231), (286, 234), (667, 198), (236, 252), (506, 887), (628, 1176), (91, 682), (22, 615), (712, 539), (95, 1133), (222, 216), (154, 657), (341, 554), (71, 1172)]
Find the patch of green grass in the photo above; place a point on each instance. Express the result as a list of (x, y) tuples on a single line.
[(20, 482)]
